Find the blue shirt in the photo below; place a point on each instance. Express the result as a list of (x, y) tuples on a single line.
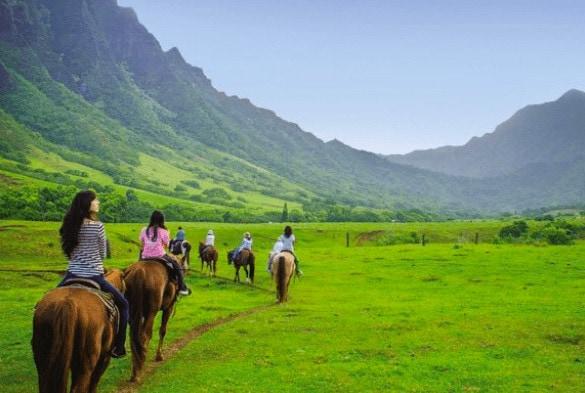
[(180, 235)]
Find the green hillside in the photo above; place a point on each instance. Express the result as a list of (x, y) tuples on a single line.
[(85, 84)]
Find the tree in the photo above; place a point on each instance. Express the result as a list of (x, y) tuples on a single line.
[(284, 217)]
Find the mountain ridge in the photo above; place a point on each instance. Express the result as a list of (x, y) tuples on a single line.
[(89, 78)]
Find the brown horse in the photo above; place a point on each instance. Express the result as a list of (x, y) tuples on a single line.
[(245, 259), (283, 269), (208, 255), (149, 289), (73, 331)]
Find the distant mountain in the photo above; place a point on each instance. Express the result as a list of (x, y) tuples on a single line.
[(551, 133), (85, 87)]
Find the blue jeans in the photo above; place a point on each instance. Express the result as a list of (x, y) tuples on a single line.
[(119, 299)]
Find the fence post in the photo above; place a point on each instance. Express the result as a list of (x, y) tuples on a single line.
[(424, 239), (476, 237), (346, 239)]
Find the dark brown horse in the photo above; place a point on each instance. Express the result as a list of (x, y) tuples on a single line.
[(182, 248), (283, 269), (245, 259), (149, 288), (73, 331), (208, 256)]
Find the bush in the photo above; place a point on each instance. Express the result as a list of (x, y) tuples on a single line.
[(191, 183), (514, 231), (217, 193), (557, 236)]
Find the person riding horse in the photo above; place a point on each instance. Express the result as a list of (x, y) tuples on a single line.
[(83, 240), (155, 239), (209, 242), (245, 245), (176, 244), (286, 242)]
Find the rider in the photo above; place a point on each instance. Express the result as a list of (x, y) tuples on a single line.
[(155, 239), (210, 239), (179, 238), (83, 240), (246, 245), (209, 242), (275, 250), (288, 244)]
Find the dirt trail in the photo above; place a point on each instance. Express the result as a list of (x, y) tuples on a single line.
[(151, 366)]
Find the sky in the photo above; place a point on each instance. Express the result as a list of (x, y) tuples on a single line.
[(383, 76)]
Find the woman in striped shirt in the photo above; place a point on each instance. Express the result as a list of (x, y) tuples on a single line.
[(83, 240)]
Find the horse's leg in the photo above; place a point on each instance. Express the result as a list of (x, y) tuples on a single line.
[(87, 359), (237, 276), (247, 274), (100, 368), (166, 314)]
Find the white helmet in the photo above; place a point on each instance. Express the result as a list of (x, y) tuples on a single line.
[(210, 232)]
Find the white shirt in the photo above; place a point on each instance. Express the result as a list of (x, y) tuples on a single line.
[(277, 247), (246, 245), (288, 243), (210, 240)]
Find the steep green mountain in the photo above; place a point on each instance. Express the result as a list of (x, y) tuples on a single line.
[(536, 136), (89, 98)]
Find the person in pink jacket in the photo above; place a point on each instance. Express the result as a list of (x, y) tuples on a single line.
[(155, 241)]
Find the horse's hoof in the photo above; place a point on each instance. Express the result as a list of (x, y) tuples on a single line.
[(159, 358), (134, 379)]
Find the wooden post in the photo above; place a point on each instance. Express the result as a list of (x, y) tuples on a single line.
[(476, 237), (347, 239), (424, 239)]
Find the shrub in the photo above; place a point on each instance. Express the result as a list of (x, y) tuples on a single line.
[(556, 235), (514, 231), (191, 183)]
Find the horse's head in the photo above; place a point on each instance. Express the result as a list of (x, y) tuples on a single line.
[(116, 278)]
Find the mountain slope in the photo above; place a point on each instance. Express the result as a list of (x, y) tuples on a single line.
[(549, 133), (86, 81)]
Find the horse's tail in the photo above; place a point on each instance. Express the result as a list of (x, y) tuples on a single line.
[(187, 255), (135, 295), (214, 258), (281, 275), (52, 343), (251, 262)]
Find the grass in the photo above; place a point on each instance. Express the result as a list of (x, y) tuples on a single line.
[(439, 318)]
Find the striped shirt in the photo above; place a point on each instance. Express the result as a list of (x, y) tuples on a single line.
[(87, 257)]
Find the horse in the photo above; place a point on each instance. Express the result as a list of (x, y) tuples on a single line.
[(245, 259), (208, 255), (283, 269), (72, 330), (149, 288), (182, 248)]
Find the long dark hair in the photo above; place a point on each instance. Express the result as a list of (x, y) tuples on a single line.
[(157, 220), (287, 231), (73, 219)]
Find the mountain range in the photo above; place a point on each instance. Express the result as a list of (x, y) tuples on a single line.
[(86, 89)]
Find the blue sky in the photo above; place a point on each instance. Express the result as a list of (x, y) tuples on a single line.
[(383, 76)]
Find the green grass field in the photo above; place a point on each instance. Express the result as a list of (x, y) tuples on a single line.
[(452, 316)]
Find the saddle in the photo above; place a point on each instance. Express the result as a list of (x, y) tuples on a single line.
[(171, 268), (106, 298)]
